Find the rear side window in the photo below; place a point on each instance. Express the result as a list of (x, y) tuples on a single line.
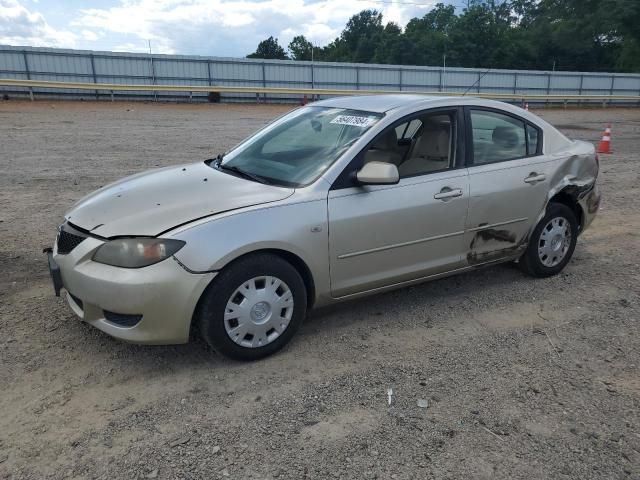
[(408, 129), (497, 137), (532, 136)]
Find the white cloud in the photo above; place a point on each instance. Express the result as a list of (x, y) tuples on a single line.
[(20, 26), (91, 35), (205, 27), (233, 27)]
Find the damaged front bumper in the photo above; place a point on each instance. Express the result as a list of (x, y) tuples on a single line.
[(150, 305)]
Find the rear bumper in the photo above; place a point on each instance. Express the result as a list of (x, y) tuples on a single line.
[(164, 295), (590, 204)]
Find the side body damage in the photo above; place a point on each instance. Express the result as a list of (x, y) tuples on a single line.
[(570, 174)]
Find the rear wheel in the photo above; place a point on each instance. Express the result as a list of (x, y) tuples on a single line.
[(253, 308), (552, 242)]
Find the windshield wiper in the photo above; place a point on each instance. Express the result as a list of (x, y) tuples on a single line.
[(243, 173)]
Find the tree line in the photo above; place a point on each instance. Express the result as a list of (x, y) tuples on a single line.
[(583, 35)]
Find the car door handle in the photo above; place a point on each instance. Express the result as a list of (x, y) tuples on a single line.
[(535, 178), (447, 193)]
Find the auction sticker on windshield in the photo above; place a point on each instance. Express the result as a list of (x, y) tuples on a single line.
[(354, 120)]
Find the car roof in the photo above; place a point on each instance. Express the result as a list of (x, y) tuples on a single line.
[(378, 103)]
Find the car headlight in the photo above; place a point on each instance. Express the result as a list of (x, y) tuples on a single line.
[(136, 252)]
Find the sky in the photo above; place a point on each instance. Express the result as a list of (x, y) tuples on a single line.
[(228, 28)]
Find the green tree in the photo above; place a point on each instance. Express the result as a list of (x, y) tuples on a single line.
[(269, 48), (587, 35), (429, 36), (480, 36), (358, 41), (300, 48)]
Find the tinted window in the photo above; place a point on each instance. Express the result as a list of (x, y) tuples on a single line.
[(497, 137), (532, 134)]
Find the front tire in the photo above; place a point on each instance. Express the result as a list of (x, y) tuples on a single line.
[(253, 308), (552, 242)]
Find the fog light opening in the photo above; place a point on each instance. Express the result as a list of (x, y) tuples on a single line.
[(122, 319)]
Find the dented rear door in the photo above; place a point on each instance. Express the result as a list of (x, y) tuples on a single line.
[(507, 194)]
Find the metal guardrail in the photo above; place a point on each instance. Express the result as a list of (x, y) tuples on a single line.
[(113, 87)]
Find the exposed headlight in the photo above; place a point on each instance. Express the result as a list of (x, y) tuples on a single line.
[(136, 252)]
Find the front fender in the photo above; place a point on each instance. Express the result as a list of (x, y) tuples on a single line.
[(300, 229)]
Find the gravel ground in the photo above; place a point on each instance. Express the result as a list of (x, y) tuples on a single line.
[(521, 378)]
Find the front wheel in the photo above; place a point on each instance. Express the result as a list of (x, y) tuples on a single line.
[(253, 308), (552, 242)]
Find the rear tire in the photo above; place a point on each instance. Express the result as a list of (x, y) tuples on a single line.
[(552, 242), (253, 307)]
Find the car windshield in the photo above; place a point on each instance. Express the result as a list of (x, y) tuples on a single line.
[(298, 147)]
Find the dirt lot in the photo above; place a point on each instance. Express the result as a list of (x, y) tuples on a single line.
[(524, 378)]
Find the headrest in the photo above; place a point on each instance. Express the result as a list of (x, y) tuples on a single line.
[(389, 141), (505, 137), (434, 143)]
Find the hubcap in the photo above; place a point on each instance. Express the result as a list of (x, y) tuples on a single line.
[(554, 242), (258, 312)]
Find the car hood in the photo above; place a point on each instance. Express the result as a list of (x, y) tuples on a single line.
[(153, 202)]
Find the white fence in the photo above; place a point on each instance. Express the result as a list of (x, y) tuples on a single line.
[(279, 80)]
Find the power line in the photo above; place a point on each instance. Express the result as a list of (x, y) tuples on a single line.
[(390, 2)]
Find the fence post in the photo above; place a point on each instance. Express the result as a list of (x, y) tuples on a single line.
[(479, 78), (28, 72), (26, 64), (209, 71), (515, 82), (313, 80), (613, 81), (440, 81), (580, 87), (153, 78), (400, 74), (93, 73), (357, 78), (581, 84), (264, 81)]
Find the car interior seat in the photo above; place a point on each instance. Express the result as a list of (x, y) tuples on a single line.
[(507, 143), (431, 151), (385, 149)]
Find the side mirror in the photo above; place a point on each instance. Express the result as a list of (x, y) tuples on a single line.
[(378, 173)]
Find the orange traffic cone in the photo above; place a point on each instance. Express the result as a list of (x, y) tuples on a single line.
[(605, 143)]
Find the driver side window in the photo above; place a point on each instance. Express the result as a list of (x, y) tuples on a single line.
[(418, 146)]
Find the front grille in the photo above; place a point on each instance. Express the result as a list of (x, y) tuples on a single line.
[(67, 240), (122, 319)]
